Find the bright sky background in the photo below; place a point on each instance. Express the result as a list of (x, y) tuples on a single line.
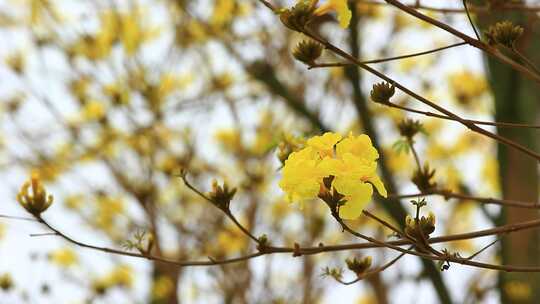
[(17, 247)]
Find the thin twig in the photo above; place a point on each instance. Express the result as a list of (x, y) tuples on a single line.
[(227, 212), (474, 9), (146, 256), (470, 19), (342, 64), (482, 250), (20, 218), (477, 122), (447, 194)]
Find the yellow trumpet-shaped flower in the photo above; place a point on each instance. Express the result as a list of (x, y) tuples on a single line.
[(302, 175), (349, 162), (340, 7)]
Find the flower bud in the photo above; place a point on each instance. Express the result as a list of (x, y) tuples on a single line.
[(37, 200), (426, 225), (297, 17), (307, 51), (221, 196), (382, 92), (359, 267), (408, 128), (505, 33), (423, 178)]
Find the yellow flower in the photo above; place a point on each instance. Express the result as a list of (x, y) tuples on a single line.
[(324, 144), (301, 175), (340, 7), (352, 167)]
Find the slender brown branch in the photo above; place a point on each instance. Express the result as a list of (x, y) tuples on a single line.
[(447, 194), (473, 9), (211, 261), (226, 211), (386, 224), (525, 59), (482, 250), (477, 122), (470, 19), (20, 218), (299, 251), (442, 257), (342, 64)]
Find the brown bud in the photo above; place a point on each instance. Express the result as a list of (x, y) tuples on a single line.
[(382, 92), (307, 51)]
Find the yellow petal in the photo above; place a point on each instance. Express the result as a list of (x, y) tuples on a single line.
[(377, 182), (357, 202)]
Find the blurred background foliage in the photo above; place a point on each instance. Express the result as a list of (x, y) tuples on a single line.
[(108, 100)]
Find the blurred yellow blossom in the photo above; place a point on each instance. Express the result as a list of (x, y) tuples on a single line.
[(518, 291), (229, 139), (462, 218), (122, 275), (118, 93), (490, 172), (93, 110), (231, 240), (2, 230), (64, 257), (223, 12), (467, 85), (162, 287)]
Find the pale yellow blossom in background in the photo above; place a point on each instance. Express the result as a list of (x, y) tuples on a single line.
[(64, 257)]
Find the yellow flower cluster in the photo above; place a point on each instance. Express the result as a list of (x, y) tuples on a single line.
[(350, 161)]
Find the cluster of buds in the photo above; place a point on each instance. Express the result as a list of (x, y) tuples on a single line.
[(221, 196), (37, 200), (382, 92), (423, 178), (504, 33), (297, 17), (359, 266), (307, 51), (421, 228), (408, 128)]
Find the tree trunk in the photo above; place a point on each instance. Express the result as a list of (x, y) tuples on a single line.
[(516, 100)]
